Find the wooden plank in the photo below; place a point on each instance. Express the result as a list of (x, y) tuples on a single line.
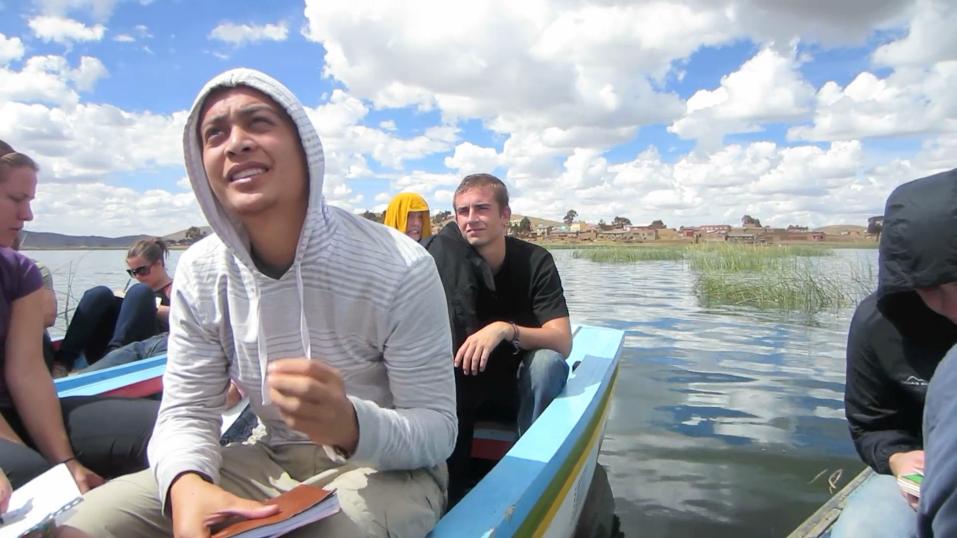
[(825, 516)]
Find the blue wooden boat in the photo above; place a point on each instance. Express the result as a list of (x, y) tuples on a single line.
[(540, 483), (820, 523)]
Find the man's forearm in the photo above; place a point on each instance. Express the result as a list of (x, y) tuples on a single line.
[(554, 335)]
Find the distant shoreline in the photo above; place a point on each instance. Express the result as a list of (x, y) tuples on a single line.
[(28, 248)]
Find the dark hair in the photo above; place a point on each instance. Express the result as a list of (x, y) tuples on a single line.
[(483, 181), (152, 249), (5, 148)]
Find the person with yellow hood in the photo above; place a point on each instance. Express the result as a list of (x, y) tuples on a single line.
[(409, 213)]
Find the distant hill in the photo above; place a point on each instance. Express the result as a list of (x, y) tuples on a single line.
[(48, 240), (53, 241), (181, 235), (536, 221)]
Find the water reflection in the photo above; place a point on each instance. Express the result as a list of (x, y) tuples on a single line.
[(722, 416)]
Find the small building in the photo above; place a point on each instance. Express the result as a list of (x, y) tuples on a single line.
[(714, 228), (742, 236), (688, 231), (643, 233)]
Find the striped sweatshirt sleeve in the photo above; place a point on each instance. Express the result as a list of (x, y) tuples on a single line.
[(420, 431), (186, 436)]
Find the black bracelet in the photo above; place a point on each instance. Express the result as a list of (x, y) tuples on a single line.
[(68, 460)]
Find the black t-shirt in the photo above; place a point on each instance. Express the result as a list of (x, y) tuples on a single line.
[(528, 290)]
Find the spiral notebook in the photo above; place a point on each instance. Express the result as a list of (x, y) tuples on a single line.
[(45, 500)]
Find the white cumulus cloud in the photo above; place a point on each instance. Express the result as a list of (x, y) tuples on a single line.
[(241, 34), (63, 30), (11, 48), (767, 88)]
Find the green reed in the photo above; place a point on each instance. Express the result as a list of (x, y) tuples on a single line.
[(750, 258), (631, 254)]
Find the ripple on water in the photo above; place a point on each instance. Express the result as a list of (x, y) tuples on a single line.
[(722, 416)]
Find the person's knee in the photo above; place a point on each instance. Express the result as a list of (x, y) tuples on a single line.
[(23, 465), (97, 295), (124, 506), (139, 292), (406, 503), (876, 509), (547, 365)]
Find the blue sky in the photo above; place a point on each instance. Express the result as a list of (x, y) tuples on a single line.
[(693, 112)]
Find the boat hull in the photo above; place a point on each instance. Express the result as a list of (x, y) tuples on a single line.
[(539, 487)]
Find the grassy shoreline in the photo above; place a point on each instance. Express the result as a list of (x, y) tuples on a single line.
[(789, 277)]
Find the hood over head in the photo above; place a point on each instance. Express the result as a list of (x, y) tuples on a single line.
[(918, 249), (228, 227), (225, 224), (397, 214)]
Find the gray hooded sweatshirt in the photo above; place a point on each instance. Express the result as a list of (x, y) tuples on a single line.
[(364, 298)]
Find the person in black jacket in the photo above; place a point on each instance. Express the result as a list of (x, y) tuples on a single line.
[(937, 513), (895, 343), (510, 324)]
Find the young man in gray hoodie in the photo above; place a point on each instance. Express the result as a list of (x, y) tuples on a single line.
[(334, 327)]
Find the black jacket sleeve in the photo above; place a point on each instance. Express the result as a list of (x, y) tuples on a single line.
[(872, 399), (937, 514)]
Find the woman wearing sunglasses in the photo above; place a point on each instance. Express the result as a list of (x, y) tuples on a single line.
[(103, 322)]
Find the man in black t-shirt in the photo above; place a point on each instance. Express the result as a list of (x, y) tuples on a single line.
[(511, 332)]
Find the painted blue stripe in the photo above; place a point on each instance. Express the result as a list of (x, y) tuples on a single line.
[(503, 499), (108, 379)]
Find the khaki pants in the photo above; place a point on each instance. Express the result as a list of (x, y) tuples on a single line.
[(373, 503)]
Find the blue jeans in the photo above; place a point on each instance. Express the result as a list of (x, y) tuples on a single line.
[(151, 347), (541, 376), (103, 322), (875, 510)]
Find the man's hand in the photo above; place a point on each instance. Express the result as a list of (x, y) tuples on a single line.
[(473, 355), (902, 463), (85, 479), (197, 505), (311, 398)]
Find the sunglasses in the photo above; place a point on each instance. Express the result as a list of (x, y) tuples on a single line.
[(141, 270)]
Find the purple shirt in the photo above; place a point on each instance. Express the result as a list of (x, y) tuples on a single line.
[(19, 277)]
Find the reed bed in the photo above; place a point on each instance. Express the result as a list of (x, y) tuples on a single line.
[(767, 277), (631, 254), (749, 258), (808, 291)]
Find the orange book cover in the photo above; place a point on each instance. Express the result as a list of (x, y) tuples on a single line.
[(298, 507)]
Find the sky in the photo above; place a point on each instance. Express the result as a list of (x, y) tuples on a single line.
[(693, 112)]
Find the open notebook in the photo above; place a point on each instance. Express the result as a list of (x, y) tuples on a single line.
[(298, 507), (47, 499)]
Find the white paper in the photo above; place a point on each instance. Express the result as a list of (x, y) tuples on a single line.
[(50, 495)]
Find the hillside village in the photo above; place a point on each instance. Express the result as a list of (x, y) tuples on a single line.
[(570, 231), (621, 230)]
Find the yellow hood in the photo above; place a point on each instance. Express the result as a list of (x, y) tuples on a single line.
[(397, 214)]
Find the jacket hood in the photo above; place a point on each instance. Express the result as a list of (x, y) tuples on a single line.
[(918, 249), (397, 214), (226, 225)]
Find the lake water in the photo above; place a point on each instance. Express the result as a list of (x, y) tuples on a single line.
[(722, 417)]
